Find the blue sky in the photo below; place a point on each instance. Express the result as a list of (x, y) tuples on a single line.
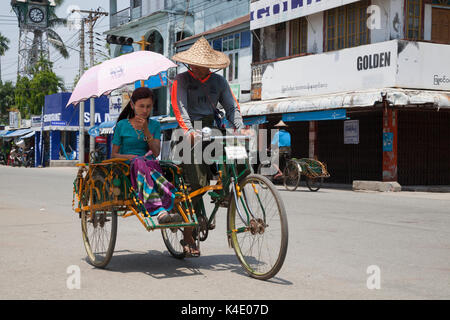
[(67, 69)]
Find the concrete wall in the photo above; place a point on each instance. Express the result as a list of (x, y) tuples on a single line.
[(389, 16)]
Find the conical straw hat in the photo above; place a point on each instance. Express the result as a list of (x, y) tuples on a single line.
[(281, 124), (201, 54)]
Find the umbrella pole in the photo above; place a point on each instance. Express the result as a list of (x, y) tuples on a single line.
[(81, 134), (91, 138)]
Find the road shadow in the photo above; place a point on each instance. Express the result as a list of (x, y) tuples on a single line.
[(161, 265)]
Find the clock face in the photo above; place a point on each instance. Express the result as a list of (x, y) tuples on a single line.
[(36, 15)]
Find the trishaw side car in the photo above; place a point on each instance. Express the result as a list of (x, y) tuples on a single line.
[(314, 171), (257, 227)]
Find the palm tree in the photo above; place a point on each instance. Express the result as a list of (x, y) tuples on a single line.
[(55, 21), (3, 48)]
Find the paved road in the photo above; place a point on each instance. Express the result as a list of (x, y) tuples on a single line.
[(335, 235)]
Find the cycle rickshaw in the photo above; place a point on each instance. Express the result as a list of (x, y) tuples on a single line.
[(313, 170), (256, 219), (257, 226)]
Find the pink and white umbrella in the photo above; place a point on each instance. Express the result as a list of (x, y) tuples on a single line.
[(119, 72)]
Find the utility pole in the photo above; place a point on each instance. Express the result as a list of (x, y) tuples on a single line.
[(142, 43), (90, 20), (81, 117)]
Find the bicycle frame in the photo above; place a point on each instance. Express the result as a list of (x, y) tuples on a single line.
[(129, 204)]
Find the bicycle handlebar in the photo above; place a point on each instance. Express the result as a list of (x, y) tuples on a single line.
[(210, 138), (206, 136)]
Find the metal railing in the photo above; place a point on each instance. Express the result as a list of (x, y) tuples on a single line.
[(121, 17)]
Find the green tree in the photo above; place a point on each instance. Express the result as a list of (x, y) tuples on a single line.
[(22, 95), (3, 48), (30, 93), (6, 100)]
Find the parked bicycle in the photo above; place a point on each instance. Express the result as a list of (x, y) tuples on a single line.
[(28, 158), (313, 170)]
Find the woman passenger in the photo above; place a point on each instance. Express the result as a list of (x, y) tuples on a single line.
[(137, 138)]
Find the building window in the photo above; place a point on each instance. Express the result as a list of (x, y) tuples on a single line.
[(346, 26), (246, 38), (231, 43), (237, 41), (298, 36), (230, 68), (280, 40), (136, 3), (236, 65), (414, 19), (217, 44)]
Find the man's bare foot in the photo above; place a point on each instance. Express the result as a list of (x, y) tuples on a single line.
[(189, 248)]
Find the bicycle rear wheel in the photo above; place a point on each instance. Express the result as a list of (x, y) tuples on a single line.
[(99, 230), (172, 238), (260, 242), (291, 176), (314, 184)]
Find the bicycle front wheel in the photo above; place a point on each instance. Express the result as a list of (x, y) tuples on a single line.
[(260, 238), (291, 176)]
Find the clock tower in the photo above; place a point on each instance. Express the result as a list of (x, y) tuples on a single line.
[(33, 17)]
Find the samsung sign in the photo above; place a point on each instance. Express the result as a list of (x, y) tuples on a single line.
[(264, 13)]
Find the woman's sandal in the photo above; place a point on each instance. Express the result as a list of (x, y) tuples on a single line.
[(189, 249), (166, 217)]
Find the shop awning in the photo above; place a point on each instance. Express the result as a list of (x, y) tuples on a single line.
[(255, 120), (4, 132), (169, 125), (18, 133), (102, 128), (336, 114), (355, 99), (28, 135)]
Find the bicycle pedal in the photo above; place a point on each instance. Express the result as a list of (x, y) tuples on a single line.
[(212, 226), (225, 203)]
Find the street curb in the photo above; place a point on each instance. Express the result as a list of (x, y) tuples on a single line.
[(381, 186), (440, 189)]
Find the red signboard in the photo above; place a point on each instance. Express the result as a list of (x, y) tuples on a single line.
[(100, 139)]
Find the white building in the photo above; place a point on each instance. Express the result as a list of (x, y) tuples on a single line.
[(235, 40), (164, 22), (383, 63)]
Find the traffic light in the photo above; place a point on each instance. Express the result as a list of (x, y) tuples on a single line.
[(111, 39)]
